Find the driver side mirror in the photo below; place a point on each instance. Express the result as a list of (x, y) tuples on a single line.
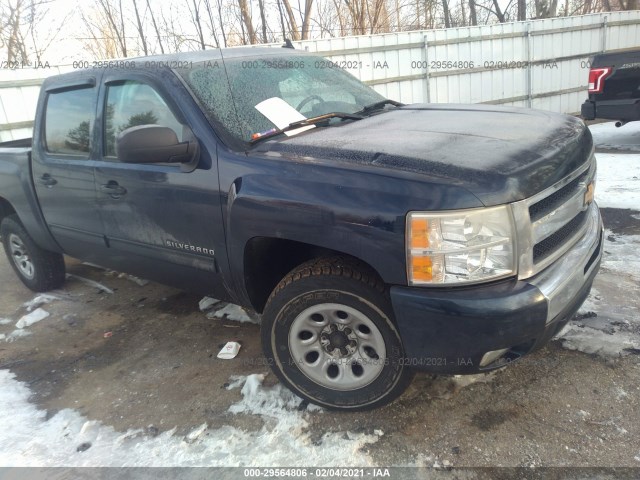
[(156, 144)]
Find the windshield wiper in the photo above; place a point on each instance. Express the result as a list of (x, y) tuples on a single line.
[(304, 123), (378, 105)]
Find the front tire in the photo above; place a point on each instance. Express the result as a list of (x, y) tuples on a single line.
[(39, 269), (327, 332)]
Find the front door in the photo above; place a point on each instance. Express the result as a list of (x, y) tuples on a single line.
[(159, 221), (63, 168)]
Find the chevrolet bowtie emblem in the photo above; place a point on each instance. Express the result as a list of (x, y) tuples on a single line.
[(588, 195)]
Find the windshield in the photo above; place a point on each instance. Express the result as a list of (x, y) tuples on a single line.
[(309, 85)]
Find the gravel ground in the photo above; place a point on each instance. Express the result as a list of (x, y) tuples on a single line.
[(144, 357), (137, 362)]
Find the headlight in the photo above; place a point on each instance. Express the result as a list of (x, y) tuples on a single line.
[(464, 246)]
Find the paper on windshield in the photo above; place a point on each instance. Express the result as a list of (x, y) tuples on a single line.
[(281, 114)]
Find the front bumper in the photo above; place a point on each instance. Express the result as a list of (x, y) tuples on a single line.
[(451, 330), (626, 110)]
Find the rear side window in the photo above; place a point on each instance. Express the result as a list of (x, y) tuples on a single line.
[(130, 104), (68, 122)]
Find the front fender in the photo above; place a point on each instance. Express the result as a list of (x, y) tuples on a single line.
[(357, 212)]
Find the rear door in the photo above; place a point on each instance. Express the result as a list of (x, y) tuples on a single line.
[(63, 166), (160, 220)]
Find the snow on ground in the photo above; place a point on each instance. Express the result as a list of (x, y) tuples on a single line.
[(34, 314), (618, 180), (206, 303), (608, 324), (91, 283), (625, 139), (233, 312), (622, 254), (31, 318), (40, 300), (28, 438)]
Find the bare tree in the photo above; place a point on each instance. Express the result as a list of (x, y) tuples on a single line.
[(141, 34), (293, 24), (546, 8), (212, 25), (155, 27), (28, 36), (281, 14), (263, 18), (12, 37), (195, 17), (447, 18), (522, 10), (473, 15), (222, 29), (498, 12), (247, 21), (114, 20), (306, 19), (629, 4)]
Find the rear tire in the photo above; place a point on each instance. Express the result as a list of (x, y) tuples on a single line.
[(328, 334), (39, 269)]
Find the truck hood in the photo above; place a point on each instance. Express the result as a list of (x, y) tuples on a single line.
[(500, 154)]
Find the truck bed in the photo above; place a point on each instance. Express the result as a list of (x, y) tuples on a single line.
[(22, 143)]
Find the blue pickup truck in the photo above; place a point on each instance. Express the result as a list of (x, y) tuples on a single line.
[(375, 238)]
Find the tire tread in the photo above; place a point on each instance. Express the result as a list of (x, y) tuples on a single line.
[(338, 266)]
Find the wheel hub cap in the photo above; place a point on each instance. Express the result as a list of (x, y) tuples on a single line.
[(338, 340), (21, 257), (337, 346)]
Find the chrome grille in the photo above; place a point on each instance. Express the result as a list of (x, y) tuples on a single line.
[(553, 201), (551, 222), (554, 241)]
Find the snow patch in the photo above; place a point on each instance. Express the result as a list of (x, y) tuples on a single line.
[(5, 321), (607, 325), (618, 180), (593, 341), (39, 300), (286, 428), (621, 253), (462, 381), (141, 282), (91, 283), (195, 434), (608, 136), (207, 302), (233, 312), (68, 439), (236, 381), (31, 318), (276, 402), (16, 334)]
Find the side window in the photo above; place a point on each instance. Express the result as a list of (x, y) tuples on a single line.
[(130, 104), (68, 121)]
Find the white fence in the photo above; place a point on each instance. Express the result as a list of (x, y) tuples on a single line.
[(539, 63)]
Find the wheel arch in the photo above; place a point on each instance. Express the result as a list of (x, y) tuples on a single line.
[(6, 209), (267, 260)]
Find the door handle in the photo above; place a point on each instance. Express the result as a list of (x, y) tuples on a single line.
[(113, 189), (47, 180)]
